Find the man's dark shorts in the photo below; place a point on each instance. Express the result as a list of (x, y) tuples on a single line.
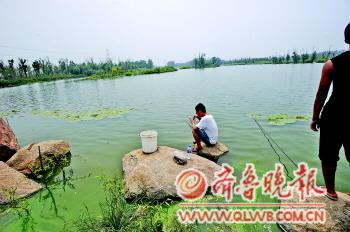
[(332, 137), (204, 137)]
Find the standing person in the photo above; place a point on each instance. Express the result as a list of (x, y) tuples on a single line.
[(333, 123), (205, 130)]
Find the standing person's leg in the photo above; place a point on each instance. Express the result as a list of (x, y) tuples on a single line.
[(330, 144), (329, 177), (346, 144)]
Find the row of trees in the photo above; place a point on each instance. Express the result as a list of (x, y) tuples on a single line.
[(12, 70), (293, 58), (202, 62), (290, 58), (131, 65)]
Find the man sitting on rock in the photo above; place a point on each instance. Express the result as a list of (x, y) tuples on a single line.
[(205, 130)]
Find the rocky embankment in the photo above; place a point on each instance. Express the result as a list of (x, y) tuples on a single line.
[(32, 163)]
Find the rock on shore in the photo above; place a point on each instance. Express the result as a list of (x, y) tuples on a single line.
[(155, 173), (8, 141), (15, 185), (213, 153), (53, 152), (337, 215)]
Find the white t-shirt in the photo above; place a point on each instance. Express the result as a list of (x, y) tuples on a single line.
[(208, 124)]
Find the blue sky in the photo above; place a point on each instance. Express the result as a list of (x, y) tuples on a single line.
[(168, 29)]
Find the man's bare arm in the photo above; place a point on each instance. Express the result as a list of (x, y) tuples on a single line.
[(193, 122), (322, 93)]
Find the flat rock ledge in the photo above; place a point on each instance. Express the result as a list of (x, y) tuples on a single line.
[(213, 153), (337, 215), (15, 185), (154, 175)]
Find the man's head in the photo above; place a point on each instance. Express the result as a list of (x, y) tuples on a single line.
[(347, 34), (200, 110)]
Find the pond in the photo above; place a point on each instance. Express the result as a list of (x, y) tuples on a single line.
[(163, 103)]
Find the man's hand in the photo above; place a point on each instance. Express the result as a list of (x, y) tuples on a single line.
[(315, 125), (193, 117), (192, 120)]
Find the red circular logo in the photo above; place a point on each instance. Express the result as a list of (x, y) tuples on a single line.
[(191, 184)]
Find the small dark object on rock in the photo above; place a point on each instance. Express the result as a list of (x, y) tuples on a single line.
[(179, 161), (180, 158)]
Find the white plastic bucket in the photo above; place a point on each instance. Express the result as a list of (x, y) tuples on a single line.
[(149, 141)]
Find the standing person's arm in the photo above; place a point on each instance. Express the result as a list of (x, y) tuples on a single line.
[(322, 93)]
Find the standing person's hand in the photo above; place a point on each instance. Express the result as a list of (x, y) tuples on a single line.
[(315, 125)]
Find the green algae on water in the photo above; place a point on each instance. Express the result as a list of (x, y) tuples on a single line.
[(76, 116), (280, 119), (5, 114), (9, 113)]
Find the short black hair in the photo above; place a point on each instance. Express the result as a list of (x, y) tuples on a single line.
[(347, 34), (200, 107)]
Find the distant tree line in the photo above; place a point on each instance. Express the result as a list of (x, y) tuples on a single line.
[(12, 70), (22, 68), (198, 62), (202, 62), (131, 65), (294, 58), (290, 58)]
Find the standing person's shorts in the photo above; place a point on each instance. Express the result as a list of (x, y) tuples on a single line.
[(204, 137), (332, 137)]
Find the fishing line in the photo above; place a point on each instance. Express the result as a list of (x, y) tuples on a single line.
[(273, 143), (280, 148)]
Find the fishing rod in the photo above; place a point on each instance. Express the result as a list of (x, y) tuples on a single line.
[(272, 144)]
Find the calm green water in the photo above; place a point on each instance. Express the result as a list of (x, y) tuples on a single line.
[(163, 102)]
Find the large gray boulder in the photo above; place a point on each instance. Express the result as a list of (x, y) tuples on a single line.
[(155, 174), (337, 215), (15, 185), (54, 154), (213, 153)]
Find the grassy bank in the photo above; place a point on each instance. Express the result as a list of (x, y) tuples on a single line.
[(117, 72), (30, 80), (185, 67), (142, 215)]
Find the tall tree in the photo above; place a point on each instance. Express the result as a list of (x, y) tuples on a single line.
[(295, 57), (22, 67), (313, 57), (36, 67), (304, 57), (12, 72), (215, 61), (199, 62), (287, 58), (150, 63), (63, 66), (274, 60), (2, 70)]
